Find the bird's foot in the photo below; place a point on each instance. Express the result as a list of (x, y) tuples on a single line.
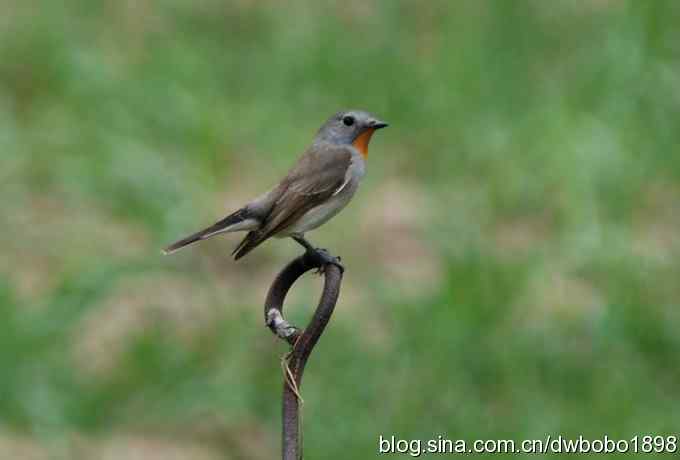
[(323, 258)]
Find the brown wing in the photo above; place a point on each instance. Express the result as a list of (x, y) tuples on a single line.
[(318, 174)]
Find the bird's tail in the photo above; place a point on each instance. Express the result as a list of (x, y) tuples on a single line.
[(251, 241), (240, 220)]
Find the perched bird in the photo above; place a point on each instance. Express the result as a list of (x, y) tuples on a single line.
[(316, 188)]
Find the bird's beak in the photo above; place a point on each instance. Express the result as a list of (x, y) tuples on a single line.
[(377, 124)]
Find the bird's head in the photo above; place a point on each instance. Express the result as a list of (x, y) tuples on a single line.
[(350, 127)]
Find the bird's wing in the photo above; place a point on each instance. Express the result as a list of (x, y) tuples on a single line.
[(319, 173)]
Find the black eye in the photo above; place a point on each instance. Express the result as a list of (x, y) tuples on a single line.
[(348, 120)]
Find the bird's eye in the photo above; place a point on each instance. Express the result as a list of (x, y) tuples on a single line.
[(348, 120)]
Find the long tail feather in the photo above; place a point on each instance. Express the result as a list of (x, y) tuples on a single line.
[(250, 242), (229, 223)]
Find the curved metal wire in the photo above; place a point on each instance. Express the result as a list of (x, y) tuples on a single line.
[(302, 342)]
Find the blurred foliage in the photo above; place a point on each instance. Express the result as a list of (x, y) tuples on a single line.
[(512, 256)]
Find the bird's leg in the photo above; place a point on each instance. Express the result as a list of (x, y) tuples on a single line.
[(322, 256), (303, 242)]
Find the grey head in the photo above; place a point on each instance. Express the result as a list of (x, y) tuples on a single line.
[(347, 125)]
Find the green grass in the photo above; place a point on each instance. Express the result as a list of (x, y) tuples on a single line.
[(512, 256)]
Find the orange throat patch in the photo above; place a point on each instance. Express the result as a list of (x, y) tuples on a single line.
[(361, 142)]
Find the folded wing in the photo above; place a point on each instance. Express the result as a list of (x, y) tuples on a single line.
[(316, 177)]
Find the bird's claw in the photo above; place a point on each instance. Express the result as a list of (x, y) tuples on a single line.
[(324, 258)]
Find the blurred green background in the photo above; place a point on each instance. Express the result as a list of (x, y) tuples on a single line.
[(512, 257)]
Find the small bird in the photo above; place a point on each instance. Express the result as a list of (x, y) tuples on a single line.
[(315, 189)]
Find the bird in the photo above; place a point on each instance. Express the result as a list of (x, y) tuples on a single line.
[(318, 186)]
